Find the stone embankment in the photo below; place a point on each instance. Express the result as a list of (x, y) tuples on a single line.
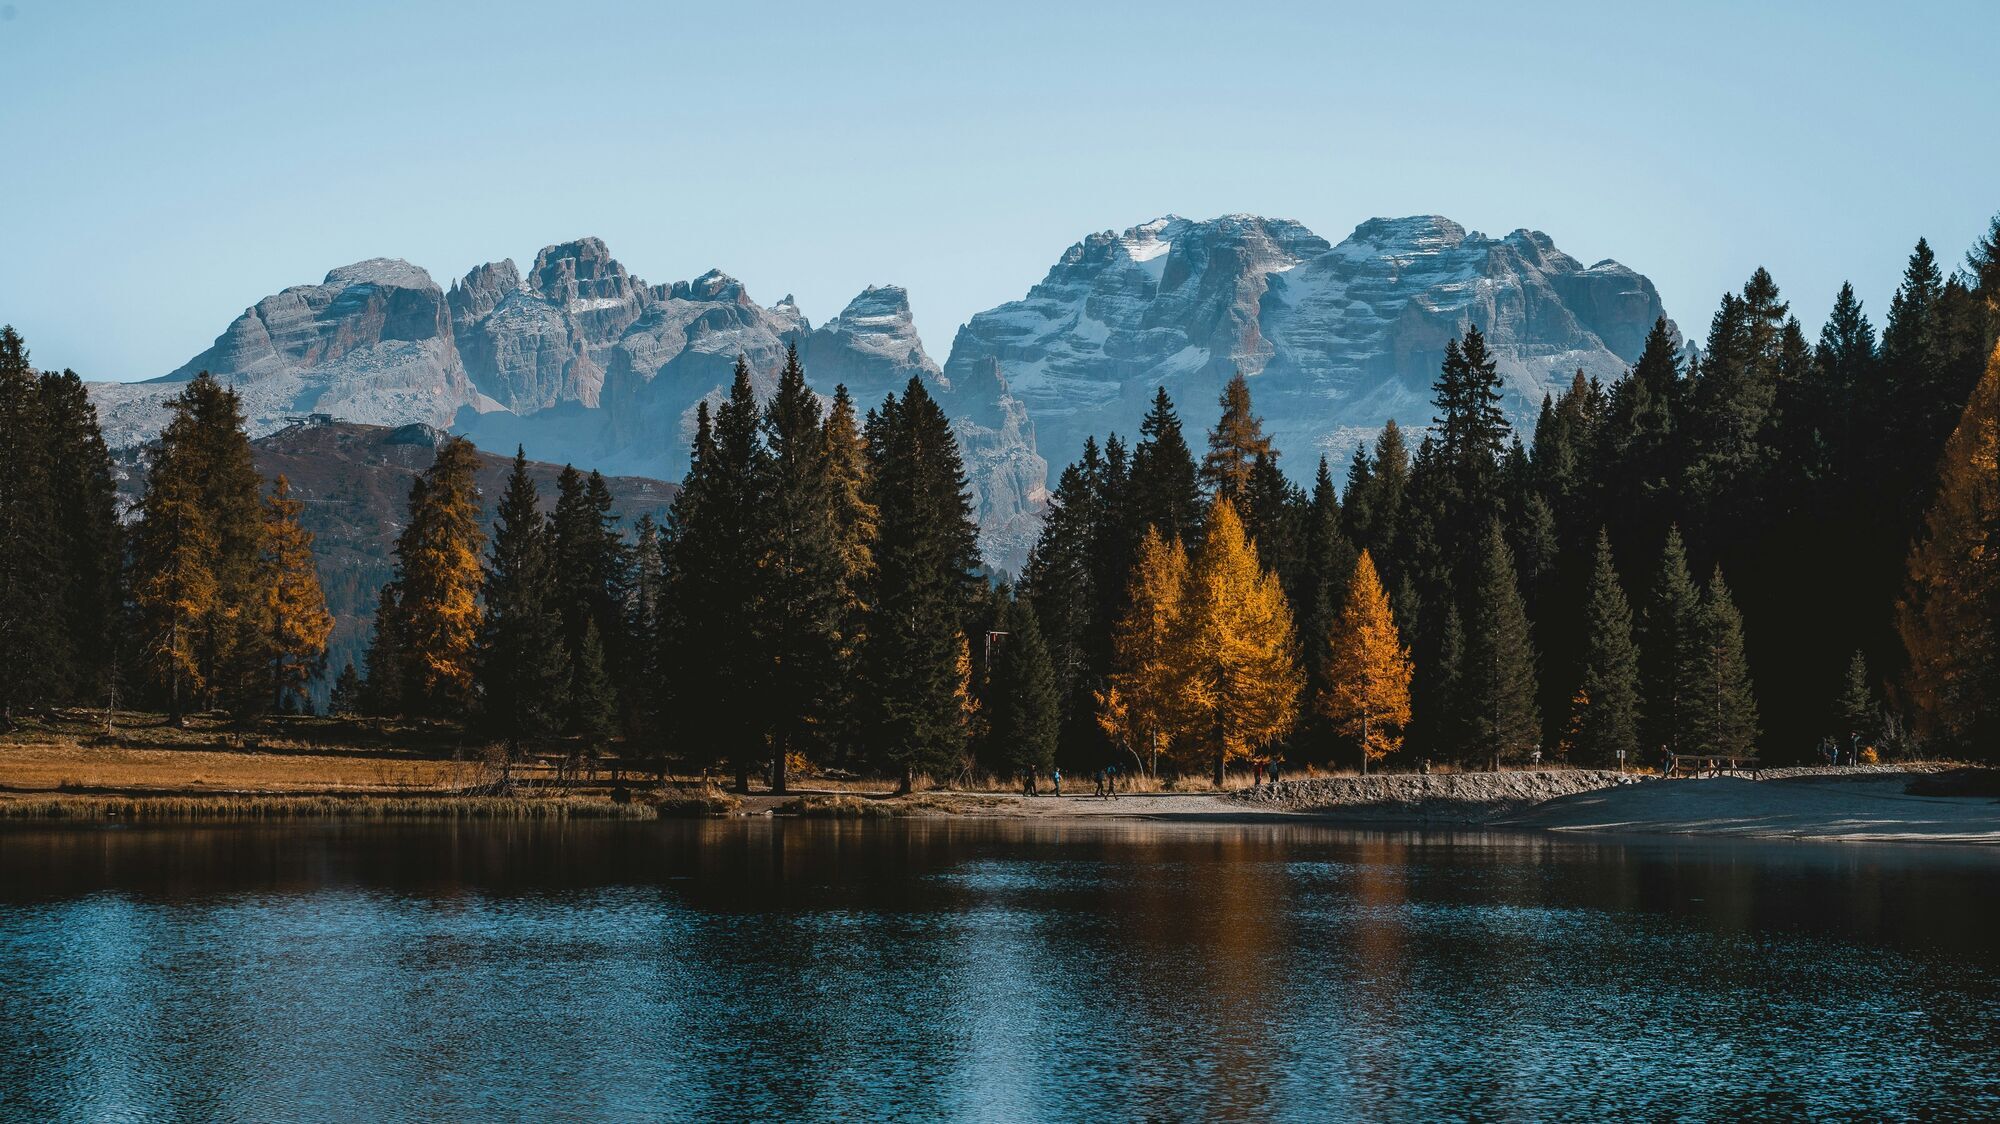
[(1456, 798)]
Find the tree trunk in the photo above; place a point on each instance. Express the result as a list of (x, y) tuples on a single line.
[(778, 777), (1364, 743), (743, 776), (907, 783)]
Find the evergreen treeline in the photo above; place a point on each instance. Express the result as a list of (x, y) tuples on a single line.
[(1770, 544), (207, 599), (1567, 595)]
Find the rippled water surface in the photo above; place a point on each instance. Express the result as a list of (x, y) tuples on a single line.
[(927, 969)]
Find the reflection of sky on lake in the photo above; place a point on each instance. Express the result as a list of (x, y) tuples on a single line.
[(985, 970)]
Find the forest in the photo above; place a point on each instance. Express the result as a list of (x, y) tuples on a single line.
[(1762, 545)]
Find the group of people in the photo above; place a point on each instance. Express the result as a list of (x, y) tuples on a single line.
[(1274, 767), (1832, 754), (1106, 780)]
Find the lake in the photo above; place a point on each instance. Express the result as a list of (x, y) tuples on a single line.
[(927, 969)]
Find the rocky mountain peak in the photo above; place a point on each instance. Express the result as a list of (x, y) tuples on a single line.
[(394, 273)]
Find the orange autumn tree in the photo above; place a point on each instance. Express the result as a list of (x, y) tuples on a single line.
[(433, 603), (293, 601), (1368, 670), (1241, 681), (1947, 616), (1140, 708)]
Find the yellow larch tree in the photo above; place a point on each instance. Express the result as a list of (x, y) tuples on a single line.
[(1141, 707), (1241, 681), (437, 585), (174, 584), (295, 603), (1947, 616), (1367, 697)]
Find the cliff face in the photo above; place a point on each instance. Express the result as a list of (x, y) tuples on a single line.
[(579, 361), (1335, 339)]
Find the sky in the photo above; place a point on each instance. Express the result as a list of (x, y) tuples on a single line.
[(169, 164)]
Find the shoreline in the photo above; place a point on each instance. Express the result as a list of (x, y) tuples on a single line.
[(1863, 804)]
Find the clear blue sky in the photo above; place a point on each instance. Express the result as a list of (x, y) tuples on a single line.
[(170, 163)]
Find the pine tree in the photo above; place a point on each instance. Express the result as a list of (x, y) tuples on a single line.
[(592, 711), (90, 540), (1367, 696), (1144, 706), (856, 528), (1639, 451), (1665, 673), (1274, 511), (199, 576), (1326, 565), (233, 640), (346, 698), (1165, 490), (1607, 726), (1499, 667), (925, 558), (1059, 581), (295, 605), (1439, 714), (639, 697), (435, 593), (712, 672), (591, 566), (799, 626), (34, 647), (1724, 717), (382, 688), (524, 665), (1470, 426), (1242, 680), (1856, 709), (1234, 444), (1025, 715), (1946, 617)]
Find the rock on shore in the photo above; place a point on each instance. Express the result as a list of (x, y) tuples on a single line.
[(1459, 798)]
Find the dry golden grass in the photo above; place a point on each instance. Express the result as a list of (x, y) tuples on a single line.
[(318, 807)]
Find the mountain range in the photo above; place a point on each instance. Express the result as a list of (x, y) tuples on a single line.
[(581, 362)]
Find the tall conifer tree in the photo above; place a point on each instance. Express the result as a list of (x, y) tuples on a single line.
[(524, 663), (1165, 491), (1025, 717), (1608, 723), (802, 601), (925, 560), (1498, 696), (1234, 444), (1724, 717), (295, 605), (434, 596), (34, 647), (1367, 694), (90, 540)]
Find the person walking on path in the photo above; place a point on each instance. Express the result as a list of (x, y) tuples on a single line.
[(1055, 775), (1275, 766), (1257, 774)]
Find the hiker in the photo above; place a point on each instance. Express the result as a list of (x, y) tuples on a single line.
[(1111, 781), (1274, 770), (1257, 773), (1055, 774)]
